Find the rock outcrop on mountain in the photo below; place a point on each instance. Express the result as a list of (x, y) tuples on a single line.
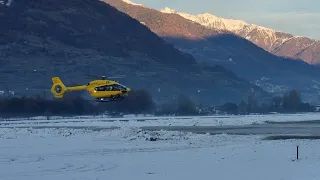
[(220, 46), (70, 38), (276, 42)]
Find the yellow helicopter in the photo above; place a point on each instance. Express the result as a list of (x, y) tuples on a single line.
[(103, 90)]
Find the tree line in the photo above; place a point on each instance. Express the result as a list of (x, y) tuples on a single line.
[(290, 102), (138, 102), (141, 102)]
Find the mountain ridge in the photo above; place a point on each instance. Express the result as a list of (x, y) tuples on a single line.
[(46, 38), (274, 41), (227, 49)]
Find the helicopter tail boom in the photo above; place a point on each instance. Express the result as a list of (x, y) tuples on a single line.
[(77, 88), (58, 88)]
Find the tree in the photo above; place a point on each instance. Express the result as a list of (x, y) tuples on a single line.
[(186, 106), (167, 108), (264, 108), (242, 107), (138, 101), (292, 101), (276, 102), (252, 104), (230, 108)]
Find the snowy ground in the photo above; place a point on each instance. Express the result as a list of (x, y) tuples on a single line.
[(132, 121), (129, 153)]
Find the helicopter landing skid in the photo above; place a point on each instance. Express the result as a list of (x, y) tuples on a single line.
[(109, 99)]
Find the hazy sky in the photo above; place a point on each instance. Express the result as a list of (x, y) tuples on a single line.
[(298, 17)]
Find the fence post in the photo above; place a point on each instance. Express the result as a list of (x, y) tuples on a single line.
[(297, 152)]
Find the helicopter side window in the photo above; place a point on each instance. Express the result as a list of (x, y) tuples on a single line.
[(115, 87), (108, 88), (101, 88)]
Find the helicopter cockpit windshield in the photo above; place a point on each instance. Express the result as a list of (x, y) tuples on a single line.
[(122, 87)]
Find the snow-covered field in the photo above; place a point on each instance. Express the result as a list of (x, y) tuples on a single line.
[(133, 121), (130, 153)]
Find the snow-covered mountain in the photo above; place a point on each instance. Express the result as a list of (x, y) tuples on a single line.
[(276, 42), (221, 46), (210, 20)]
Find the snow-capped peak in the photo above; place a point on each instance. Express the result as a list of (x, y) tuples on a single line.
[(132, 3), (216, 22), (265, 37), (168, 10)]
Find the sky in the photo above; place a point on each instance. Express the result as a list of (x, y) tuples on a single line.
[(297, 17)]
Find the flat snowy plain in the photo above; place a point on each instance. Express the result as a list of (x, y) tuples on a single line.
[(67, 149)]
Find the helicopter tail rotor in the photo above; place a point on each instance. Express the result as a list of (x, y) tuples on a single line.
[(58, 88)]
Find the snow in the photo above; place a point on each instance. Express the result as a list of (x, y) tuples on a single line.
[(121, 154), (132, 121), (66, 152), (239, 27), (7, 3), (213, 21), (132, 3), (269, 86)]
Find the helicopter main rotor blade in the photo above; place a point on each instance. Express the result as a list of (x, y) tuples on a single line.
[(92, 76), (116, 77), (105, 77)]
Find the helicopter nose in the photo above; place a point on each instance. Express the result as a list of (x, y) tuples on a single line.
[(127, 90)]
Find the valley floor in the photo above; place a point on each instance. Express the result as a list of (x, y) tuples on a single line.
[(128, 152)]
